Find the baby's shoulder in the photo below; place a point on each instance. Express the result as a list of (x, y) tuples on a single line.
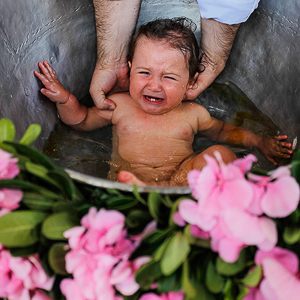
[(193, 108), (124, 106), (119, 97)]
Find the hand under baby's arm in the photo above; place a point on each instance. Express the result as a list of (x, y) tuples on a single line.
[(70, 110)]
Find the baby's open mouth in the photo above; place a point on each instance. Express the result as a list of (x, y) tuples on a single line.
[(153, 99)]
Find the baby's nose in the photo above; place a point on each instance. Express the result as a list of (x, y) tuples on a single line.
[(154, 84)]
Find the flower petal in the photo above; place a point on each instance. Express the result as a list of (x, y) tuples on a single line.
[(281, 197), (284, 284)]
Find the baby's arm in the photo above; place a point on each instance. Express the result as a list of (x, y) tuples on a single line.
[(70, 110), (223, 132)]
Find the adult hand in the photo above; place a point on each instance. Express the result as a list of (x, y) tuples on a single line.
[(216, 43), (108, 80), (115, 24)]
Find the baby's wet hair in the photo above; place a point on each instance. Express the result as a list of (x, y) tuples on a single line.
[(177, 33)]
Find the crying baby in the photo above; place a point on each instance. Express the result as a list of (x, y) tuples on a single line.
[(154, 125)]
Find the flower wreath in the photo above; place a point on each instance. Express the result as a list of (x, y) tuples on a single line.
[(236, 236)]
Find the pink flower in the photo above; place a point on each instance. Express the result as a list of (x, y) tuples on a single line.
[(224, 195), (229, 206), (8, 165), (9, 198), (20, 278), (123, 275), (280, 276), (170, 296), (279, 193), (99, 258), (216, 187)]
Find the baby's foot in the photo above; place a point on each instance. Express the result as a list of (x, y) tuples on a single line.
[(129, 178)]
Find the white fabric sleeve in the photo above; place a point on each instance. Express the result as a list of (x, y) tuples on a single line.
[(227, 11)]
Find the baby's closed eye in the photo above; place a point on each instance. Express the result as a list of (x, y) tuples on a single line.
[(170, 77)]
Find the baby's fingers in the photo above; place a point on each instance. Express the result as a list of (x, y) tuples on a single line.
[(50, 70), (47, 70), (284, 144), (280, 137), (49, 94), (283, 152), (41, 77)]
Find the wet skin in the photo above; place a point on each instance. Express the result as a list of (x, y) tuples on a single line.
[(153, 127)]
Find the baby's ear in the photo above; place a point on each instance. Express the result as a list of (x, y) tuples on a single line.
[(129, 64), (193, 82), (192, 85)]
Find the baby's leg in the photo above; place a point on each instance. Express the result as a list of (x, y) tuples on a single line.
[(198, 162), (129, 178)]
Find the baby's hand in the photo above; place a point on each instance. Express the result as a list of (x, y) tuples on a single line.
[(54, 90), (273, 147)]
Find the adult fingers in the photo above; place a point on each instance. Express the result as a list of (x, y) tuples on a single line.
[(102, 83), (204, 80)]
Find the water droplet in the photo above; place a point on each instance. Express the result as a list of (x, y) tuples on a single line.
[(27, 92), (52, 59)]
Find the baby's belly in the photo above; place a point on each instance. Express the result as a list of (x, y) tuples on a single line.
[(147, 169), (150, 158)]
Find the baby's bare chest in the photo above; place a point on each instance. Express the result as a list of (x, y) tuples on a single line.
[(154, 129)]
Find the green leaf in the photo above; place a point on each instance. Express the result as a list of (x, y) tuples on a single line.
[(31, 134), (64, 206), (187, 284), (243, 291), (36, 201), (19, 228), (24, 252), (200, 291), (67, 183), (228, 290), (159, 252), (166, 200), (213, 280), (41, 172), (230, 269), (121, 203), (28, 186), (203, 243), (56, 258), (294, 217), (169, 283), (253, 278), (114, 192), (147, 274), (137, 195), (291, 235), (175, 254), (33, 154), (9, 149), (154, 204), (137, 217), (296, 156), (156, 236), (55, 225), (7, 130), (18, 184), (259, 172), (295, 167)]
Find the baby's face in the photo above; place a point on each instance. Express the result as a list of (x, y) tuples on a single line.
[(159, 76)]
